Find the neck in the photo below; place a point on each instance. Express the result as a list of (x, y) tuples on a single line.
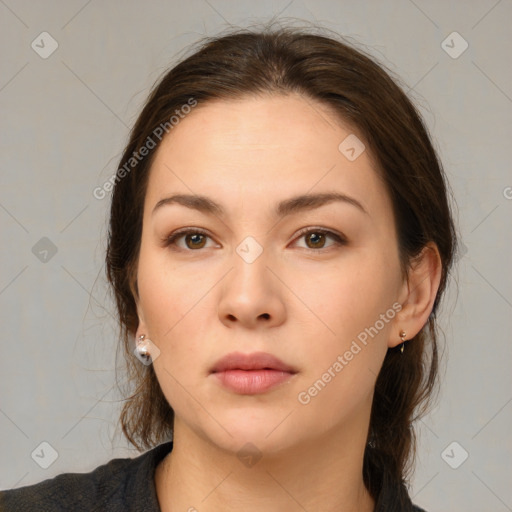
[(199, 476)]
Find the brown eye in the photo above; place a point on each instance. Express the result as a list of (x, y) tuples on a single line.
[(316, 239), (193, 240), (197, 240)]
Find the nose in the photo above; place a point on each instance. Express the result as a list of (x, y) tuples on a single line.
[(251, 294)]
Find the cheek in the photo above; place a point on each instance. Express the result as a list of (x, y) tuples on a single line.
[(348, 297), (343, 365), (167, 293), (350, 308), (175, 305)]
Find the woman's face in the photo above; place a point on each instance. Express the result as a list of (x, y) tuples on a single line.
[(253, 281)]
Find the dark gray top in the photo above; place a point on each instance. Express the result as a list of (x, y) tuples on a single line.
[(120, 485)]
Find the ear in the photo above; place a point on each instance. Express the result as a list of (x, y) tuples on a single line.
[(418, 293)]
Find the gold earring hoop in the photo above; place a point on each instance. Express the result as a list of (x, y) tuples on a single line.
[(402, 337)]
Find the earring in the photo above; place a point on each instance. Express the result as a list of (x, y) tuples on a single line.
[(402, 336), (143, 347)]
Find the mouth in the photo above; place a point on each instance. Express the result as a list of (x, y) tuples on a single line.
[(250, 374)]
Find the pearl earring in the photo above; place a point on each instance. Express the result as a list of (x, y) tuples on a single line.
[(142, 348)]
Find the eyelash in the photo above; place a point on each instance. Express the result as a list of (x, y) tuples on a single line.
[(339, 239)]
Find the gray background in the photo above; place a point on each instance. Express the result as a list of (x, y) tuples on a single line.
[(65, 120)]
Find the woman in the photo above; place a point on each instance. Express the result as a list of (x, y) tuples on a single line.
[(280, 239)]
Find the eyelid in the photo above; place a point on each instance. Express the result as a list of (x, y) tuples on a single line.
[(340, 239)]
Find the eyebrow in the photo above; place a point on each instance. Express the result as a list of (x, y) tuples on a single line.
[(286, 207)]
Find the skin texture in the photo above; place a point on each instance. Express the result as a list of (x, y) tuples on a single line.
[(302, 299)]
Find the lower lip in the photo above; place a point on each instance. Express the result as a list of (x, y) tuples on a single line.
[(251, 382)]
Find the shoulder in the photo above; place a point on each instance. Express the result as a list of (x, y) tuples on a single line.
[(119, 485), (415, 508)]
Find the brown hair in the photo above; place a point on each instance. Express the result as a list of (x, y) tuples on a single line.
[(352, 84)]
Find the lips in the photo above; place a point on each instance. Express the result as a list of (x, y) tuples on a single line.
[(251, 374), (254, 361)]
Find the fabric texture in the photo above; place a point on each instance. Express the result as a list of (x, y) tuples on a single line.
[(121, 485)]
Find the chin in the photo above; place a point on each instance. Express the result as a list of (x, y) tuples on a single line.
[(265, 433)]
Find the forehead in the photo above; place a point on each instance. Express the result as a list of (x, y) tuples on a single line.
[(268, 148)]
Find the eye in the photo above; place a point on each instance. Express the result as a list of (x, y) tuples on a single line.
[(195, 239), (316, 237)]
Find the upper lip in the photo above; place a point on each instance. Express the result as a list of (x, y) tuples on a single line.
[(254, 361)]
